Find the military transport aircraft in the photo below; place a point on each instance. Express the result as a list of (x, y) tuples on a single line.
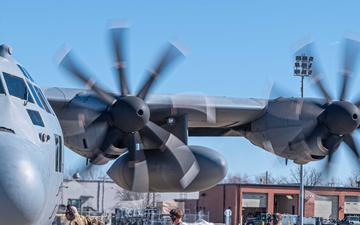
[(146, 134)]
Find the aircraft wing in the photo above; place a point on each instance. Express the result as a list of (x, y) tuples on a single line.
[(206, 115), (146, 158)]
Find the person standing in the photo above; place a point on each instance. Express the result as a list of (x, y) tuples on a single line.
[(275, 219), (74, 217), (176, 216)]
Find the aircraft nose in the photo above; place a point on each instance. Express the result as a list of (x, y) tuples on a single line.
[(22, 190)]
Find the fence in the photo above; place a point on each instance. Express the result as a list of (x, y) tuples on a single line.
[(157, 219), (153, 219)]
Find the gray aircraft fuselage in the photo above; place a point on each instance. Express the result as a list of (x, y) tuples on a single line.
[(31, 146)]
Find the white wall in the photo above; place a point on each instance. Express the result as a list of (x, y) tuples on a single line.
[(91, 193)]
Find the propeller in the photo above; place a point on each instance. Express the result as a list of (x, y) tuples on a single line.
[(128, 115), (339, 118)]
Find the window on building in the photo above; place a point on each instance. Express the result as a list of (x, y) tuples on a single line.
[(75, 202)]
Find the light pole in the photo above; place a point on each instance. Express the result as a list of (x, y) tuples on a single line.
[(103, 195), (103, 192), (303, 68)]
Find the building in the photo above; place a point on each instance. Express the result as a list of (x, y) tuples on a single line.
[(252, 199), (104, 196)]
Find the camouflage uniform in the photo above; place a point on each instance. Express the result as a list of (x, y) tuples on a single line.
[(93, 221), (78, 220)]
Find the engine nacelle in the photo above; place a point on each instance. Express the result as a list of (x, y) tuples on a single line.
[(161, 171)]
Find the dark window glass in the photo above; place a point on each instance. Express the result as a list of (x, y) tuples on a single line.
[(43, 99), (59, 154), (25, 72), (35, 118), (17, 87), (2, 90), (35, 95)]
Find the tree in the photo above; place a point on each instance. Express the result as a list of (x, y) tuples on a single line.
[(281, 180), (352, 180), (311, 177), (236, 178), (333, 181), (265, 178)]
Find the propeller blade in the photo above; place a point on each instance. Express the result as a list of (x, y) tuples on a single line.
[(317, 79), (104, 117), (331, 143), (68, 63), (171, 53), (351, 53), (348, 139), (111, 135), (180, 151), (130, 144), (203, 104), (118, 36), (137, 162), (304, 51)]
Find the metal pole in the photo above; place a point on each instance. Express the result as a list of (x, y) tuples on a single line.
[(303, 68), (103, 192), (301, 198)]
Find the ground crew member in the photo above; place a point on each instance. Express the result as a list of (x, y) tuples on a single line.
[(73, 216), (275, 219), (175, 216)]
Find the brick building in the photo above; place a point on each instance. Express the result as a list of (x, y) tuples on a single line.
[(252, 199)]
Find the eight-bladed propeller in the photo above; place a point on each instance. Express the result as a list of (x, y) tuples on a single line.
[(129, 114), (339, 118)]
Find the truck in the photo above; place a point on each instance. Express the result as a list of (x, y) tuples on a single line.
[(287, 219), (259, 220), (350, 220)]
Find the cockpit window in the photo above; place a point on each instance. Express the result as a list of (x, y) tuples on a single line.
[(2, 91), (35, 117), (38, 101), (17, 87), (43, 100), (25, 72)]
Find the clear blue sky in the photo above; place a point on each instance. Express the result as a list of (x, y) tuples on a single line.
[(234, 48)]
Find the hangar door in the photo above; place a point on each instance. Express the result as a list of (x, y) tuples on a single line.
[(352, 205), (254, 204), (326, 207)]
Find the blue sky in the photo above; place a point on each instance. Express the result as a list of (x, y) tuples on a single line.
[(235, 47)]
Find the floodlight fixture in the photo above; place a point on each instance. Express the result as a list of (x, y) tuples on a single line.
[(306, 63)]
